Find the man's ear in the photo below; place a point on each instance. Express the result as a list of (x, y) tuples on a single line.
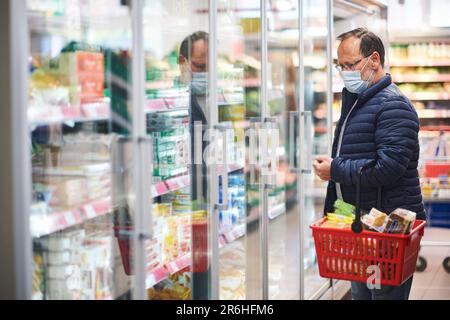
[(376, 61), (181, 59)]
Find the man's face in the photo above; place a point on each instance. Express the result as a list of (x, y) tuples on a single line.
[(351, 59), (197, 62), (199, 58)]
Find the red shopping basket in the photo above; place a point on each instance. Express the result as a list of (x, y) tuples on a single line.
[(124, 235), (343, 254), (355, 254), (200, 246)]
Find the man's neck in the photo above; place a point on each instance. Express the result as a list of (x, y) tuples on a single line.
[(378, 76)]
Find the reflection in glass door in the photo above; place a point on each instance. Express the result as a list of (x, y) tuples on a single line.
[(80, 117), (316, 131), (282, 109), (176, 44)]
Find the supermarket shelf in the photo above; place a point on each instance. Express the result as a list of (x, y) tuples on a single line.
[(273, 213), (156, 276), (277, 211), (159, 274), (176, 183), (435, 128), (231, 168), (236, 233), (420, 63), (252, 83), (179, 264), (45, 223), (433, 113), (436, 200), (171, 185), (167, 104), (421, 77), (46, 115), (424, 96)]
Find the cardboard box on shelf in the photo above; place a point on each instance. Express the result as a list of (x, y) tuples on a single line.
[(85, 72), (65, 191)]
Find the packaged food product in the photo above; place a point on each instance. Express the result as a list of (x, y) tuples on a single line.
[(38, 277), (67, 241), (340, 218), (344, 209), (96, 271), (335, 224), (375, 220), (400, 221), (66, 192)]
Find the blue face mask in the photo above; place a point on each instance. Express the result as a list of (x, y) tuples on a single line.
[(199, 83), (353, 81)]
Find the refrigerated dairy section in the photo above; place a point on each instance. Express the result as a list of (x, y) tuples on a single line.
[(163, 149)]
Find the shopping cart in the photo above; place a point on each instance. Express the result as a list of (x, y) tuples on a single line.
[(438, 210), (422, 261), (357, 255)]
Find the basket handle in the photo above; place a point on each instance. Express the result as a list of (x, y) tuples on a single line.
[(357, 225)]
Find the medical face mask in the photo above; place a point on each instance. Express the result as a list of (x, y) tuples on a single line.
[(353, 81), (199, 83)]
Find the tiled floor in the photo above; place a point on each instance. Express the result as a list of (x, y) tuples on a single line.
[(434, 282)]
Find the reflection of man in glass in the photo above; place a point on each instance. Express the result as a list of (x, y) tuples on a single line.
[(193, 60)]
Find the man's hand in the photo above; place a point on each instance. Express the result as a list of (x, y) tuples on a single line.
[(322, 166)]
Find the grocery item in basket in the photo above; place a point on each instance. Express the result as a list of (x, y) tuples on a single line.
[(344, 209), (340, 218), (400, 221), (375, 220), (335, 225)]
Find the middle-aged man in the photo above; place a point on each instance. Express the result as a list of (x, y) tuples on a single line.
[(377, 131)]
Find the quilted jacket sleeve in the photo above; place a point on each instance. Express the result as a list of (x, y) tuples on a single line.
[(396, 138)]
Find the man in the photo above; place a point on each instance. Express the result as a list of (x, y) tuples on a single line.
[(377, 131), (193, 62)]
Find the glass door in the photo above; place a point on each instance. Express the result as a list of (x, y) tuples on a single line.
[(316, 131), (82, 119), (282, 110), (238, 81), (176, 46)]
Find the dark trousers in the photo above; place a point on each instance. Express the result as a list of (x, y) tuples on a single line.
[(361, 292)]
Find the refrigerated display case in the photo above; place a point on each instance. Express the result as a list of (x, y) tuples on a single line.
[(121, 209), (78, 106)]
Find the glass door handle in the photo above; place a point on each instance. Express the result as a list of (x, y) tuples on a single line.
[(146, 195), (272, 128), (253, 148), (224, 130), (293, 115), (307, 120)]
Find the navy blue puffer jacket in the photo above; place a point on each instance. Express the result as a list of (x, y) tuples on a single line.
[(382, 135)]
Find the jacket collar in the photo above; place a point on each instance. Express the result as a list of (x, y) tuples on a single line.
[(369, 92)]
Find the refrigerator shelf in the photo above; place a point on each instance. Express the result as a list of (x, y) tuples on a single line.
[(421, 77), (273, 213), (156, 276), (46, 223), (179, 264), (46, 115), (235, 233)]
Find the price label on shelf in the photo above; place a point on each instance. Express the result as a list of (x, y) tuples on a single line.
[(70, 218), (90, 211), (159, 189), (179, 264)]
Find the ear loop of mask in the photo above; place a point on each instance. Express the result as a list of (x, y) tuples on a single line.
[(372, 75)]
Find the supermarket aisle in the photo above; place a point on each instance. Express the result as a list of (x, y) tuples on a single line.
[(283, 261), (434, 282)]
